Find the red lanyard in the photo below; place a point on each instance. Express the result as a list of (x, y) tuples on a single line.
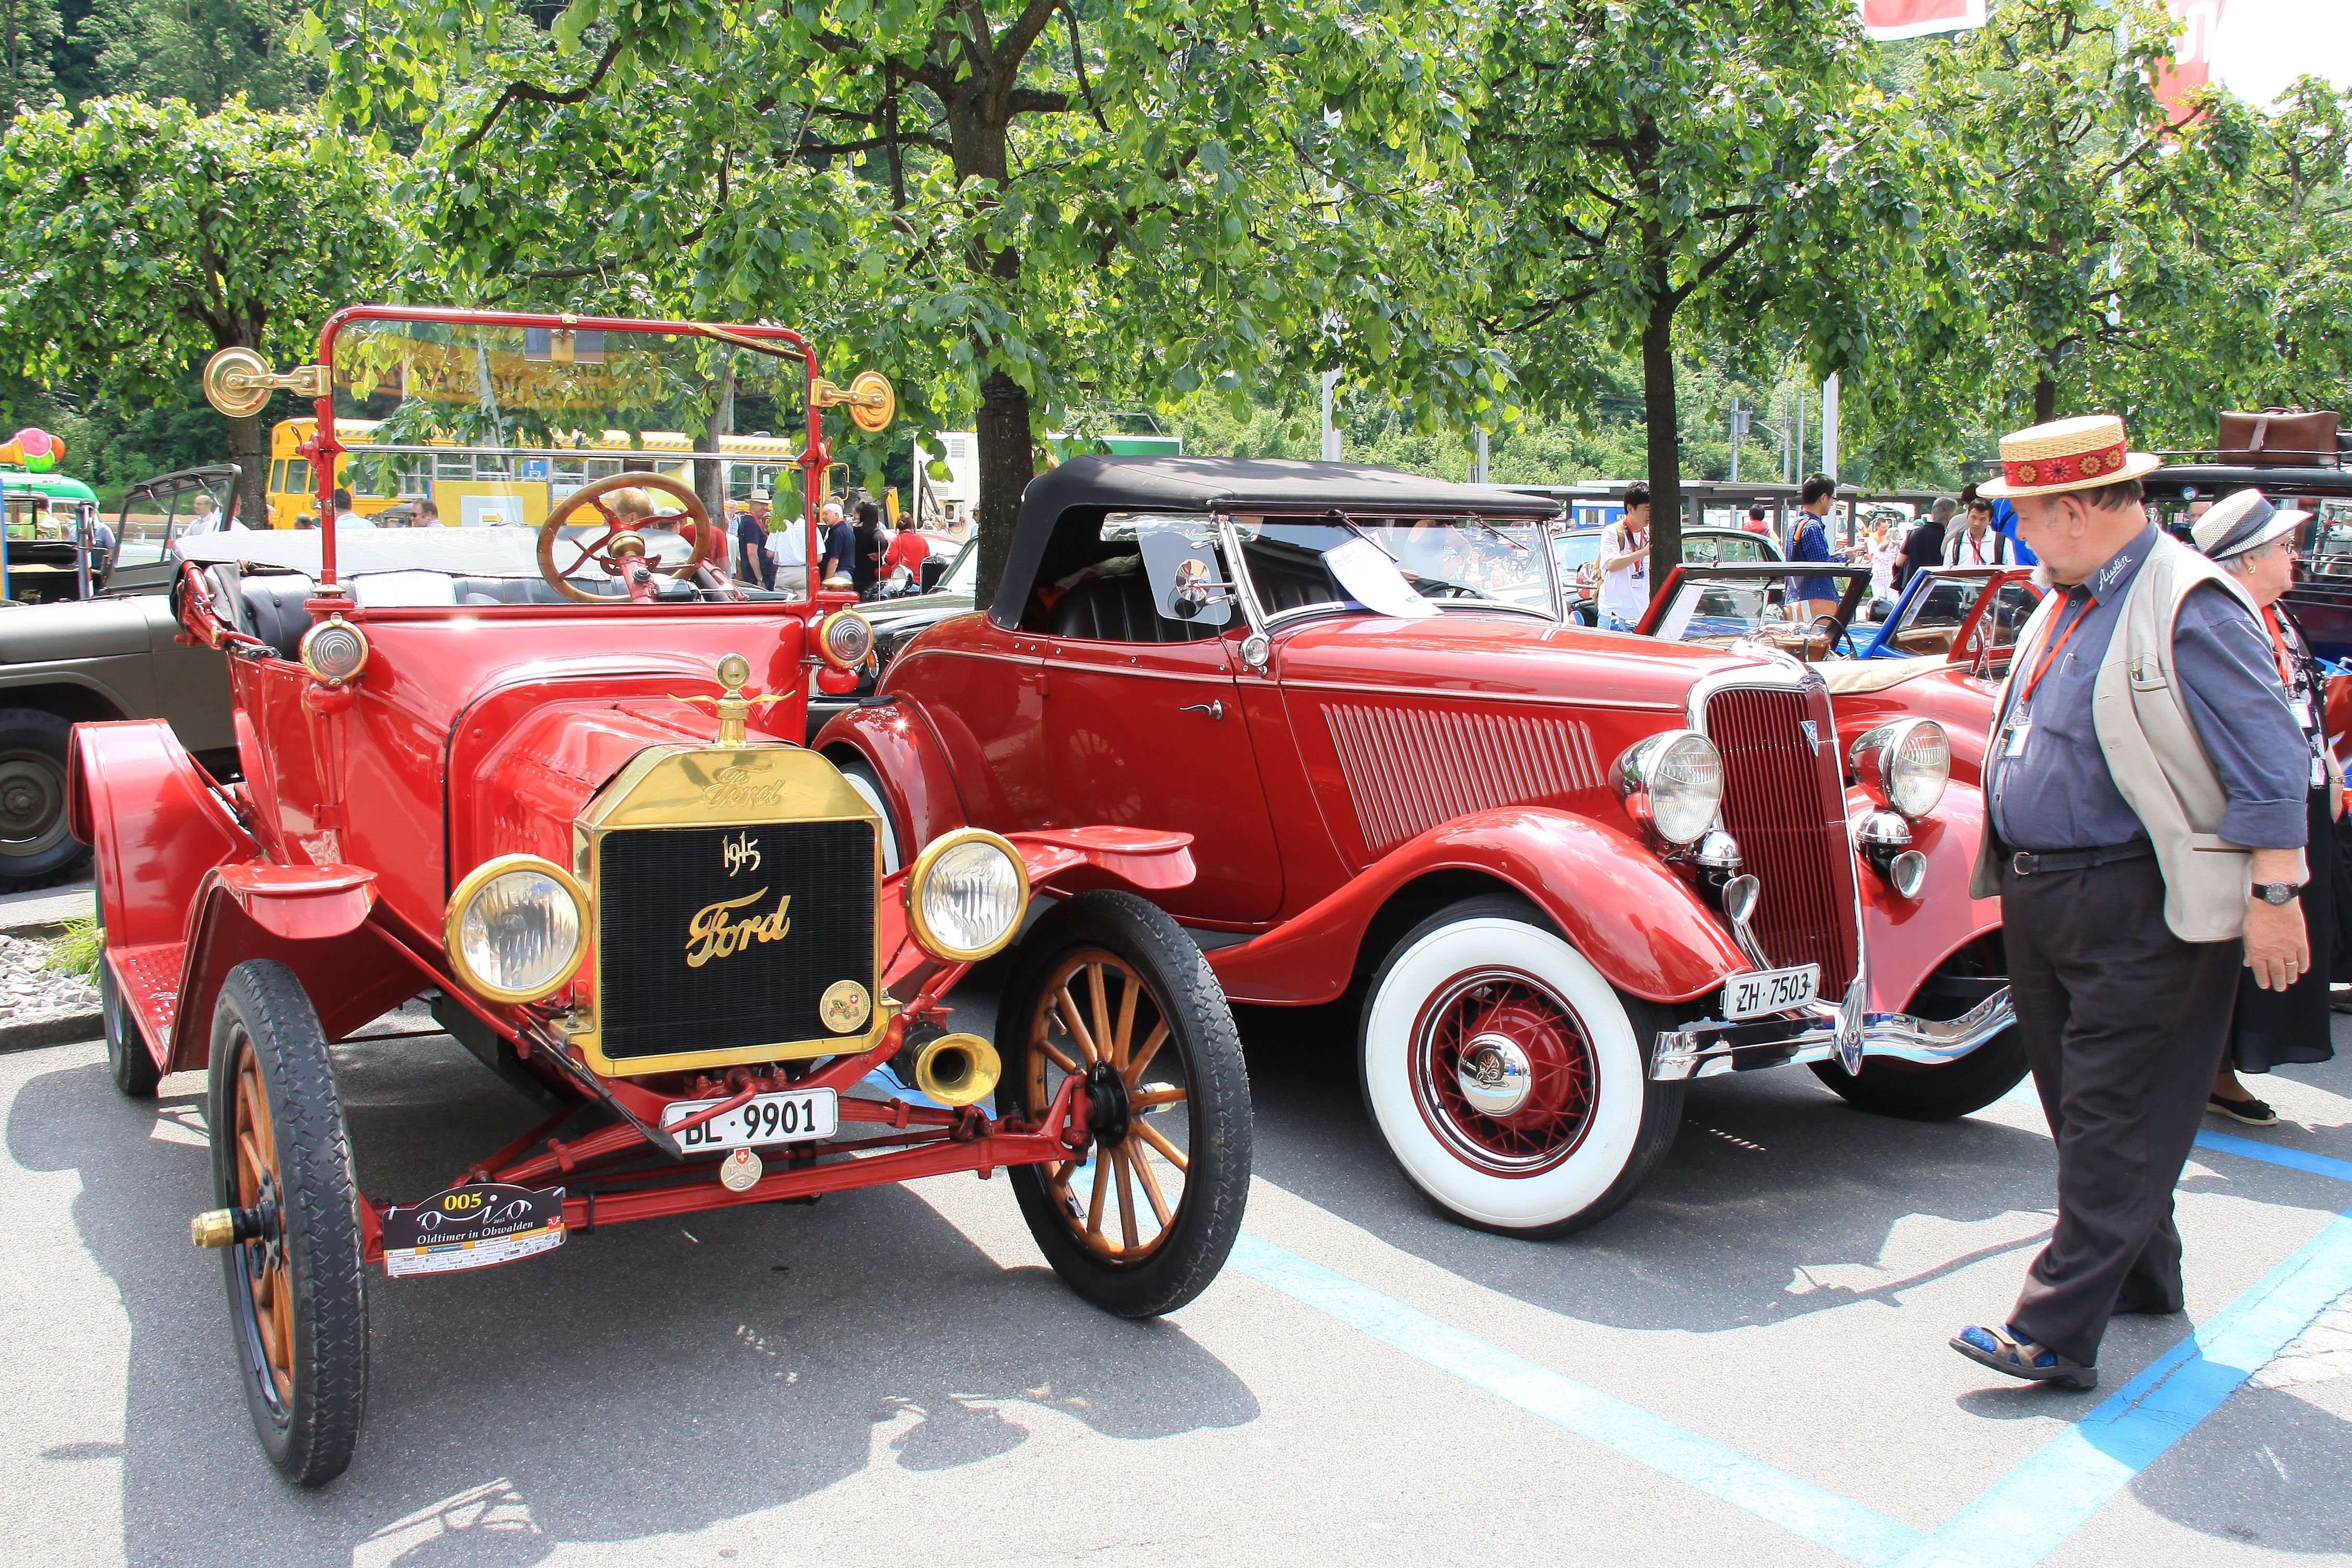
[(2050, 649), (2278, 649), (1976, 548)]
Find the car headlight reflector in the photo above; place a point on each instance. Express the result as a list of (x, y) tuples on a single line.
[(1905, 764), (966, 894), (333, 651), (844, 639), (1673, 782), (516, 928)]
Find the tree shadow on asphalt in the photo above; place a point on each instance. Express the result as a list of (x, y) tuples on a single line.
[(1776, 1196), (643, 1379)]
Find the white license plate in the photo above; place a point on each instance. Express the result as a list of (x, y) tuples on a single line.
[(1770, 991), (793, 1117)]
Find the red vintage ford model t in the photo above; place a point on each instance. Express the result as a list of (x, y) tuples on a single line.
[(1566, 871), (519, 768)]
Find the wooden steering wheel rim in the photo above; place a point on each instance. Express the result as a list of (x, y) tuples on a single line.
[(550, 531)]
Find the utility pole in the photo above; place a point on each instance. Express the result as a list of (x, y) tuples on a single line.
[(1830, 426), (1797, 469), (1478, 473), (1330, 379), (1739, 417)]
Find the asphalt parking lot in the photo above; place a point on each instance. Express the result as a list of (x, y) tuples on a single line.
[(1746, 1365)]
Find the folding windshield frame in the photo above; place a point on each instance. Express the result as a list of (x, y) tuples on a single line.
[(323, 448), (1224, 520)]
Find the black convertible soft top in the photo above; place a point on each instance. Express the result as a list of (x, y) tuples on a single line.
[(1095, 486)]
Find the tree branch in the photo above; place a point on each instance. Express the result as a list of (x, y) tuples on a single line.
[(518, 91)]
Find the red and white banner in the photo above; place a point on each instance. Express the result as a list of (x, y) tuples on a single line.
[(1915, 18), (2195, 21)]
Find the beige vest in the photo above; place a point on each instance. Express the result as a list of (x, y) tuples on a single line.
[(2141, 717)]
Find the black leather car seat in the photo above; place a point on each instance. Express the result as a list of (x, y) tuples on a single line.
[(274, 613), (1118, 608), (1280, 586)]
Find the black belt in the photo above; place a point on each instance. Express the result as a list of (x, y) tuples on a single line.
[(2025, 863)]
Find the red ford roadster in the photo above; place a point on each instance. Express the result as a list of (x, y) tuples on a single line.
[(1565, 870), (521, 771)]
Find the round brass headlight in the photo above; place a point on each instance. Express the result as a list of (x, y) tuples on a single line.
[(333, 651), (844, 639), (966, 895), (516, 928)]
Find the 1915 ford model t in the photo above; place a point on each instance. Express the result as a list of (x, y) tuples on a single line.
[(488, 764)]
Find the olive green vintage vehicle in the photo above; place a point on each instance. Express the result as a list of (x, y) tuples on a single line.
[(119, 656)]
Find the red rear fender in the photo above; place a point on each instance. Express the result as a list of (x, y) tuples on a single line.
[(895, 742), (155, 823), (1642, 927)]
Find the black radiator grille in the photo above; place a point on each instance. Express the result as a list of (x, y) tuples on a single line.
[(653, 882), (1784, 802)]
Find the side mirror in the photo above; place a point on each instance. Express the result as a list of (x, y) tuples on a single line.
[(1184, 579)]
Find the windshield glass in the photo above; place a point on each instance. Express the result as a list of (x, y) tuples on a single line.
[(1439, 560), (463, 439), (1932, 617), (1724, 609)]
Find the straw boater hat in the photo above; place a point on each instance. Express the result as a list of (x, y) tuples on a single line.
[(2067, 454), (2241, 521)]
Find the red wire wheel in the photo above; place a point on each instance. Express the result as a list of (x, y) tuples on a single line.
[(1504, 1072)]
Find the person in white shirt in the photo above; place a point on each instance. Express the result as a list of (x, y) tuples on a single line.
[(1980, 543), (344, 517), (1624, 564)]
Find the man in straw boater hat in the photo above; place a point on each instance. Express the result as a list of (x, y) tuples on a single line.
[(2145, 823)]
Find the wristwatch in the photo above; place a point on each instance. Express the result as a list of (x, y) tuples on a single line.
[(2278, 892)]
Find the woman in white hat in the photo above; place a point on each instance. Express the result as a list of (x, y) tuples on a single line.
[(2255, 542)]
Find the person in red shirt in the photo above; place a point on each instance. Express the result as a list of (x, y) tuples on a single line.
[(909, 549)]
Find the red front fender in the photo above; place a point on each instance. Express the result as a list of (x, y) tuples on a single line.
[(1907, 939), (1644, 928), (899, 747), (155, 823)]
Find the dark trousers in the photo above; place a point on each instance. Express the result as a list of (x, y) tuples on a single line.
[(2124, 1026)]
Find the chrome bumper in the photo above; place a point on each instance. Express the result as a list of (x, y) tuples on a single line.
[(1813, 1033)]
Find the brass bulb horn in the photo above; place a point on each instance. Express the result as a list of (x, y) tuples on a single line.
[(957, 1069)]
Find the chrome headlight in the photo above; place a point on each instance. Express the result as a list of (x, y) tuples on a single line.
[(844, 639), (516, 928), (966, 894), (1673, 782), (1905, 764)]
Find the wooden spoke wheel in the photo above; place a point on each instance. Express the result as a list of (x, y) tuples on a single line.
[(610, 549), (281, 1158), (1109, 991)]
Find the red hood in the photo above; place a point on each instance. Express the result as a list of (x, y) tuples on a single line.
[(1505, 657)]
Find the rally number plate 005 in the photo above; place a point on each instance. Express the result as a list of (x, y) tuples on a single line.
[(795, 1116), (1770, 991)]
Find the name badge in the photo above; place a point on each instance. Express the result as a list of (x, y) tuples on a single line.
[(2302, 706), (2014, 739)]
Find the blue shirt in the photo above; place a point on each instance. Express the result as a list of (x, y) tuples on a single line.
[(2059, 795), (841, 545), (758, 566), (1812, 543), (2004, 518)]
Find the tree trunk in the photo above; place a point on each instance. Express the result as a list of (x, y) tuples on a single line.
[(2045, 398), (248, 449), (1006, 469), (1665, 450), (710, 476)]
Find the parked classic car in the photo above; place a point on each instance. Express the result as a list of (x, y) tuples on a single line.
[(895, 624), (522, 771), (1566, 870), (1579, 548)]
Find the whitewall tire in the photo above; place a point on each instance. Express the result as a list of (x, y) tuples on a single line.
[(1509, 1078), (861, 777)]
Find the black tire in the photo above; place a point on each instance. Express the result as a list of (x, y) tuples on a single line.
[(866, 782), (1545, 1170), (1124, 940), (305, 1401), (1918, 1093), (35, 850), (128, 1060)]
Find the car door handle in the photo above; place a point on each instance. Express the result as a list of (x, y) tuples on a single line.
[(1214, 709)]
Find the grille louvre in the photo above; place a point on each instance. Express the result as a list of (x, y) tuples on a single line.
[(1784, 802), (1408, 769), (651, 883)]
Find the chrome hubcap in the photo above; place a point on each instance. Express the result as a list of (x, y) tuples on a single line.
[(1494, 1075)]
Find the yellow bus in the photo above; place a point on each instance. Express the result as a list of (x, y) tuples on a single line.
[(479, 486)]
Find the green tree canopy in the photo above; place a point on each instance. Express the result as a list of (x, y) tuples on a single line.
[(1018, 208), (1658, 166), (143, 236)]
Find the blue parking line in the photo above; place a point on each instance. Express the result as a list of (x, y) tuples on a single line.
[(1817, 1514), (2022, 1519)]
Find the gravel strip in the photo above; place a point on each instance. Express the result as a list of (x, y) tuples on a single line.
[(39, 1004)]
